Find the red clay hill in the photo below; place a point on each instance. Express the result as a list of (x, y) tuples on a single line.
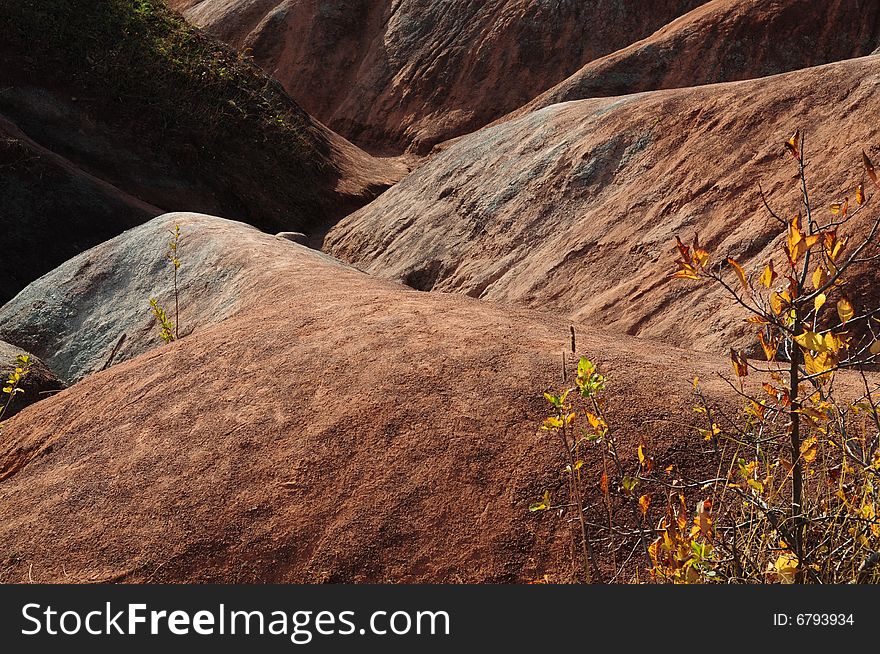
[(321, 423), (397, 75), (347, 430), (728, 40), (574, 208)]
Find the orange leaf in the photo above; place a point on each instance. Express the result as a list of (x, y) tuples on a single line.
[(682, 512), (860, 194), (740, 363), (704, 517), (779, 301), (869, 168), (770, 346), (795, 245), (683, 249), (690, 264), (686, 272), (739, 273), (603, 483), (771, 390), (645, 461), (644, 503), (701, 257), (793, 145)]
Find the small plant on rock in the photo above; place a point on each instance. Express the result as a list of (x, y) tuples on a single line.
[(12, 387), (166, 327), (168, 330)]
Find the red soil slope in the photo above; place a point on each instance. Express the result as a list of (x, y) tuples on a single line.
[(728, 40), (411, 73), (335, 428), (575, 207)]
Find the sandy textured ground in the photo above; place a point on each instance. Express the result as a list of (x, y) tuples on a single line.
[(328, 422), (574, 208), (334, 428)]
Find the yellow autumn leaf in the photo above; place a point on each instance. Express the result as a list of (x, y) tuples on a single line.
[(818, 277), (840, 208), (600, 427), (654, 551), (708, 434), (860, 194), (768, 276), (552, 423), (833, 247), (832, 343), (686, 272), (701, 257), (785, 568), (543, 505), (644, 503), (779, 301), (814, 414), (682, 512), (875, 347), (820, 364), (809, 449), (795, 244), (820, 300), (845, 310)]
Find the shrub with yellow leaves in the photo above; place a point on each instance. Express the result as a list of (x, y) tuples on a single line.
[(825, 448), (12, 386), (793, 497)]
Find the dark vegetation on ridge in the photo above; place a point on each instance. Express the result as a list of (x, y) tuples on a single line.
[(112, 112)]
